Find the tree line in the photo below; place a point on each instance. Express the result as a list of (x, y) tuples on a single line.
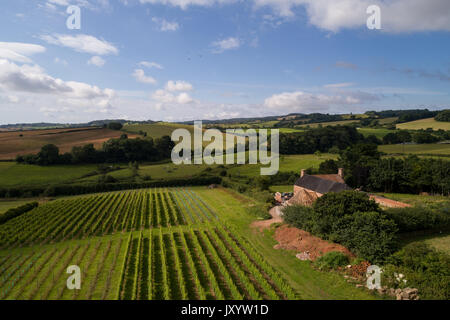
[(365, 168), (112, 151)]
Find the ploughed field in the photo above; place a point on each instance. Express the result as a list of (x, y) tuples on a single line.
[(141, 244), (13, 143)]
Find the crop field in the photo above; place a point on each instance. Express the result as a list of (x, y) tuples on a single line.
[(26, 142), (425, 149), (424, 124), (139, 245)]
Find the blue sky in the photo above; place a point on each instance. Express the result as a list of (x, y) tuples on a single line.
[(207, 59)]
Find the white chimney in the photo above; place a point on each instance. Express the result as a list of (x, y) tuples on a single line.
[(341, 172), (302, 173)]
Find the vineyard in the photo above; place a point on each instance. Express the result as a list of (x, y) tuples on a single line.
[(135, 245)]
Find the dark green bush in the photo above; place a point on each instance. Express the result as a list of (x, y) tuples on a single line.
[(368, 234), (333, 206), (331, 260)]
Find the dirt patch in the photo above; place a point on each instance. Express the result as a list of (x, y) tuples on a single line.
[(265, 224), (389, 202), (290, 238)]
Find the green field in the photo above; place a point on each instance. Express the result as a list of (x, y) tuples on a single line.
[(13, 174), (418, 200), (379, 133), (288, 163), (440, 242), (424, 124), (325, 124), (154, 244), (157, 130), (425, 149)]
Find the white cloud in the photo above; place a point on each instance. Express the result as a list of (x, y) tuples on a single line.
[(396, 15), (165, 25), (179, 86), (34, 80), (164, 97), (335, 15), (82, 43), (96, 61), (151, 65), (19, 52), (226, 44), (299, 101), (140, 76)]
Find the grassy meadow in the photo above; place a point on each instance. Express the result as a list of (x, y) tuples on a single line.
[(424, 124), (13, 174)]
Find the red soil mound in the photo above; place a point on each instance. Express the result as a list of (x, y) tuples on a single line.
[(290, 238)]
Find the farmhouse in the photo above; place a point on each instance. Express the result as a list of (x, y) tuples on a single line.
[(308, 188)]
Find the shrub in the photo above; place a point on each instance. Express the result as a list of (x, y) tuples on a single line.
[(424, 268), (370, 235), (333, 206), (301, 217), (332, 260)]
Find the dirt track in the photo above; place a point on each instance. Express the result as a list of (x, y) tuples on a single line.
[(265, 224)]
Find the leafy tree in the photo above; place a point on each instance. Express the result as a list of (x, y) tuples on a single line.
[(443, 116), (48, 155), (357, 162), (424, 137), (115, 126), (328, 167)]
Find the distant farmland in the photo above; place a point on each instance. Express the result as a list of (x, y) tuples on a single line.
[(26, 142), (424, 124), (425, 149)]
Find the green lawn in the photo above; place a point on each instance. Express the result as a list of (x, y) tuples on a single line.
[(13, 174), (432, 148), (424, 124)]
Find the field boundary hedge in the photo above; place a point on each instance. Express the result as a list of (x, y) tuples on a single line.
[(15, 212), (76, 189)]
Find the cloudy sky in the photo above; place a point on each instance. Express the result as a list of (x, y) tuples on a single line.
[(206, 59)]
